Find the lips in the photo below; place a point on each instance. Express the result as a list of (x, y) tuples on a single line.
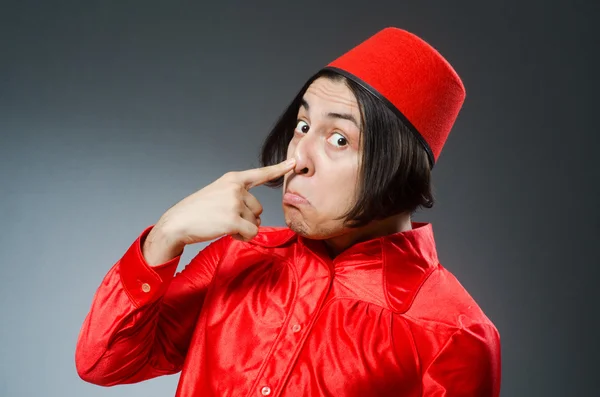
[(294, 198), (295, 193)]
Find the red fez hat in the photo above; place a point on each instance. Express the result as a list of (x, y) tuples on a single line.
[(412, 79)]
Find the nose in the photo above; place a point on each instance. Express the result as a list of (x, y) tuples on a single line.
[(304, 153)]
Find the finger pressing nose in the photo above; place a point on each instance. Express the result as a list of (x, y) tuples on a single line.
[(303, 163), (302, 167)]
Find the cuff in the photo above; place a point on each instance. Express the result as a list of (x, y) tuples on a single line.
[(145, 284)]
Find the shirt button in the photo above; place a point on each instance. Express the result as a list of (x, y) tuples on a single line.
[(265, 391), (146, 287), (296, 328)]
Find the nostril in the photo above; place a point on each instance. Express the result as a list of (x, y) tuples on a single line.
[(304, 170)]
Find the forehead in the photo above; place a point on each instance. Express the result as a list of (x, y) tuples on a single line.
[(332, 95)]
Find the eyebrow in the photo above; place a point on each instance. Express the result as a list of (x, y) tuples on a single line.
[(343, 116)]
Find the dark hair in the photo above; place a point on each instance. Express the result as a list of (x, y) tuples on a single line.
[(395, 174)]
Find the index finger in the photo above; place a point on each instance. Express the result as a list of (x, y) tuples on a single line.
[(258, 176)]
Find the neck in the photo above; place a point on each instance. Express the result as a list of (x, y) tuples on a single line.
[(394, 224)]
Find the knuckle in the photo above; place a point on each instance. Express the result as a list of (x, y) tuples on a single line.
[(251, 231), (235, 188), (234, 178), (228, 176), (257, 212)]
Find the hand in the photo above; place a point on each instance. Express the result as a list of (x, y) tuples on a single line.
[(223, 207)]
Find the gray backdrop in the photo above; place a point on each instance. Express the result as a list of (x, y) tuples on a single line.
[(110, 112)]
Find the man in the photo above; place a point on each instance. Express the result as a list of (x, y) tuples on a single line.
[(349, 299)]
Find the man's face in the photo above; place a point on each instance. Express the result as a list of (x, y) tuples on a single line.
[(326, 145)]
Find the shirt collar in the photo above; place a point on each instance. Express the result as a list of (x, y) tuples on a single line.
[(390, 269)]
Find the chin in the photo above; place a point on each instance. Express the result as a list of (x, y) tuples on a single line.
[(295, 221), (300, 227)]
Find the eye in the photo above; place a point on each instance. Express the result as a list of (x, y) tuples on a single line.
[(302, 126), (338, 140)]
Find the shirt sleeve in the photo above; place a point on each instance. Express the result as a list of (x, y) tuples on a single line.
[(141, 319), (468, 365)]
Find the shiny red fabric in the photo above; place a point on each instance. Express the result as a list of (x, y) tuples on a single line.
[(278, 317)]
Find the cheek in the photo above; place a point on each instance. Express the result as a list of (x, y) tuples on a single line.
[(339, 187)]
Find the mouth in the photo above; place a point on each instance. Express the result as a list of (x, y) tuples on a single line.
[(293, 198)]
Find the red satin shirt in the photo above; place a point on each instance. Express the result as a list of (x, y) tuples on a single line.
[(278, 317)]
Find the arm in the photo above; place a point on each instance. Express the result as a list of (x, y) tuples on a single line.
[(142, 318), (468, 365)]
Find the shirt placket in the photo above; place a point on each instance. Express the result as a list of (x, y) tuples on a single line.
[(314, 281)]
